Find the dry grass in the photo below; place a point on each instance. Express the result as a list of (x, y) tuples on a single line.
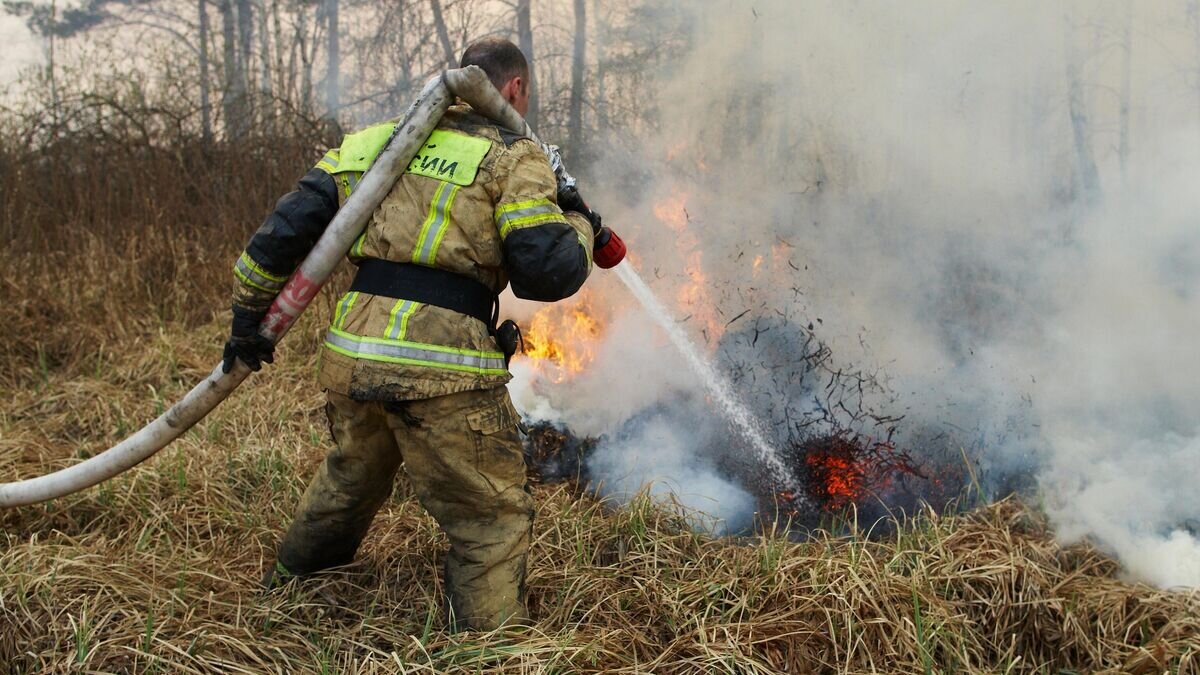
[(157, 570)]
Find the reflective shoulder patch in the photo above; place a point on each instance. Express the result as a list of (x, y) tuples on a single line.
[(329, 163), (360, 148), (450, 156)]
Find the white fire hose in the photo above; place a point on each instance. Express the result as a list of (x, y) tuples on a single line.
[(470, 84)]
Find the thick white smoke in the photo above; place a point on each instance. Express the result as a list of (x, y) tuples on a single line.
[(918, 180), (660, 455)]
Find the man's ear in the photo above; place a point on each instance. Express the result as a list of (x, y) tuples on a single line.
[(512, 89)]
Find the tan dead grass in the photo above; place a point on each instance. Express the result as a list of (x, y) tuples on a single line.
[(157, 570)]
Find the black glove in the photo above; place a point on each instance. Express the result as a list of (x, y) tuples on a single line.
[(245, 343), (569, 199)]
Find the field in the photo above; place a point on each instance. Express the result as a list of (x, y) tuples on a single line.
[(157, 571)]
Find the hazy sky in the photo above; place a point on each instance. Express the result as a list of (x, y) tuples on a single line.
[(19, 48)]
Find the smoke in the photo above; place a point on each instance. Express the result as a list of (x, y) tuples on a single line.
[(652, 427), (915, 179), (659, 454)]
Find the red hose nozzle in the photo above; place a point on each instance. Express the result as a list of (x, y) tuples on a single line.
[(609, 249)]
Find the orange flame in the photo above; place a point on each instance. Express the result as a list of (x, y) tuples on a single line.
[(838, 479), (693, 296), (560, 340), (672, 212), (780, 251), (843, 480)]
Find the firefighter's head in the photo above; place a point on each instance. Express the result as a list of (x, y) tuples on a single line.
[(505, 66)]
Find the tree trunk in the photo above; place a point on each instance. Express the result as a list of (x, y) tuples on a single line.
[(1088, 178), (599, 42), (306, 60), (265, 85), (282, 83), (334, 54), (1126, 87), (525, 42), (439, 22), (403, 82), (245, 20), (1089, 175), (1193, 10), (205, 110), (233, 93), (55, 112), (578, 56)]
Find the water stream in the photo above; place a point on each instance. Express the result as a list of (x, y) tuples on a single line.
[(743, 421)]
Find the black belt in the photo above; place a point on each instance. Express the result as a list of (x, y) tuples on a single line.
[(429, 286)]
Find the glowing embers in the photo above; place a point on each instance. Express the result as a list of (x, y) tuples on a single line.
[(836, 475), (561, 339), (840, 471)]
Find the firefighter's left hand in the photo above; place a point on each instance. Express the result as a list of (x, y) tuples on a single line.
[(569, 199), (246, 344)]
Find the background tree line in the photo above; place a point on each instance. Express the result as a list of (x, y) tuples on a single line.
[(180, 71), (154, 136)]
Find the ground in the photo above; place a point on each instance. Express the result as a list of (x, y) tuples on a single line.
[(119, 228), (158, 570)]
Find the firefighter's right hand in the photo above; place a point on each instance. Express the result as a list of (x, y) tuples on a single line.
[(246, 344)]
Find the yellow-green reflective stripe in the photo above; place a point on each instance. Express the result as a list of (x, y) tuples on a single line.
[(525, 214), (432, 230), (418, 345), (349, 183), (443, 226), (517, 206), (252, 275), (529, 221), (249, 282), (343, 309), (249, 262), (329, 162), (404, 320), (357, 249), (429, 218), (512, 215), (398, 322), (390, 330), (413, 362), (415, 353)]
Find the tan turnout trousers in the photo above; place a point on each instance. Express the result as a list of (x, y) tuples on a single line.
[(463, 455)]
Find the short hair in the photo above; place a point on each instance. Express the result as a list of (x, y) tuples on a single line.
[(499, 58)]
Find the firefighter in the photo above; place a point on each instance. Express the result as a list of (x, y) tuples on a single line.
[(411, 365)]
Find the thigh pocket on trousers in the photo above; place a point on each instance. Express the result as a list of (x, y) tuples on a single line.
[(498, 453)]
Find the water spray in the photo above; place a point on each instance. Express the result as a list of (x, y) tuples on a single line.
[(739, 416)]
